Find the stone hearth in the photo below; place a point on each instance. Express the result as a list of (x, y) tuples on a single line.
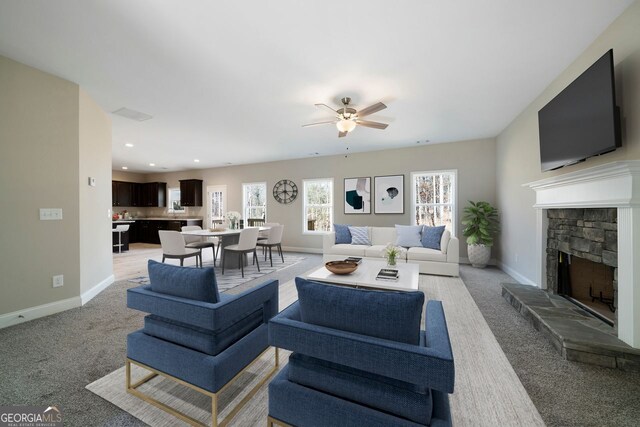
[(576, 334)]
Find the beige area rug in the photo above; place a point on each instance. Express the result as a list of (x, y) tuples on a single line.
[(487, 390)]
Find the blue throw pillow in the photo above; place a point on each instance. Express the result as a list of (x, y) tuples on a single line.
[(185, 282), (431, 236), (359, 235), (391, 316), (408, 235), (343, 235)]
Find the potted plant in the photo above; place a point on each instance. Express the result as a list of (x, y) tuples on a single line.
[(481, 223), (392, 253)]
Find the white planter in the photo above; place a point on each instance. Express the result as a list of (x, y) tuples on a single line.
[(479, 255)]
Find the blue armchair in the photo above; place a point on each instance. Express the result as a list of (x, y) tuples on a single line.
[(195, 336), (360, 359)]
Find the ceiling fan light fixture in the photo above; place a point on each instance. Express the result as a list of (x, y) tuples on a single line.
[(346, 125)]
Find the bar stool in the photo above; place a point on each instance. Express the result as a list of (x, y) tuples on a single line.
[(123, 228)]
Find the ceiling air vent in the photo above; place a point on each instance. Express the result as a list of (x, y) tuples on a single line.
[(132, 114)]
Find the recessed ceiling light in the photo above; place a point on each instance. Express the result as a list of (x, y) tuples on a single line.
[(128, 145), (125, 168), (152, 164), (196, 160)]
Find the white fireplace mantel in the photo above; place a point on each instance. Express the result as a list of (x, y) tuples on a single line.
[(615, 185)]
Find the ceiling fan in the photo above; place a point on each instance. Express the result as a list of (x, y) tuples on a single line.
[(347, 118)]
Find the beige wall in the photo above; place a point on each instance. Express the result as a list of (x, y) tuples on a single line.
[(44, 123), (39, 158), (120, 175), (96, 260), (474, 161), (518, 155)]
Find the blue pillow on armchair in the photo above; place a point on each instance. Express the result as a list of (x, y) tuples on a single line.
[(391, 316), (431, 237), (185, 282), (343, 235)]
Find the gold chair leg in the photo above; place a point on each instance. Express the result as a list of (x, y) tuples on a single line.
[(132, 389)]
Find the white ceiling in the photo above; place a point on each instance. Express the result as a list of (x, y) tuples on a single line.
[(232, 82)]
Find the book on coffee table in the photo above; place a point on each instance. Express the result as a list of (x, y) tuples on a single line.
[(355, 259), (388, 274)]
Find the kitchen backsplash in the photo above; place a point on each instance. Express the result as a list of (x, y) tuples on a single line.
[(140, 212)]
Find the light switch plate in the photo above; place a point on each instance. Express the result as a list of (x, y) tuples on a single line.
[(48, 214), (92, 181)]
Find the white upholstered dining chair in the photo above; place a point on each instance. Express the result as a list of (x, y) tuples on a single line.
[(174, 247), (246, 244)]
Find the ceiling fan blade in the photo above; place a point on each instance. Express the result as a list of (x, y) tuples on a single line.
[(375, 125), (327, 107), (371, 109), (319, 123), (342, 134)]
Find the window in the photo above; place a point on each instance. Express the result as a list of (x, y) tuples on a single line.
[(254, 201), (317, 205), (174, 200), (216, 204), (434, 198)]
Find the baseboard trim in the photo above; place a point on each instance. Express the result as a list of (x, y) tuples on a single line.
[(43, 310), (91, 293), (519, 277), (465, 260), (305, 250)]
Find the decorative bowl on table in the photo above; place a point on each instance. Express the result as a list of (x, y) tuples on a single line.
[(341, 267), (217, 229)]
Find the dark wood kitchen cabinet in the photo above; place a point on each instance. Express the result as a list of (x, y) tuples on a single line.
[(153, 194), (121, 193), (146, 230), (191, 192)]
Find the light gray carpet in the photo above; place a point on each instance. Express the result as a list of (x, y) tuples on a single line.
[(565, 393)]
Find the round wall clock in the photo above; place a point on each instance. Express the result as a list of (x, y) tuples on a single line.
[(285, 191)]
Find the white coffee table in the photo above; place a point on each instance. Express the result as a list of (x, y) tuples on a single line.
[(365, 276)]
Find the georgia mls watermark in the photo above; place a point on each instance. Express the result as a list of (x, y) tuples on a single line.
[(30, 416)]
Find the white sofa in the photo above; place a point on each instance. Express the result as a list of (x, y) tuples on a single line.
[(431, 261)]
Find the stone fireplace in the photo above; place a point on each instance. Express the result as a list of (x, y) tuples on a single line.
[(611, 192), (582, 258)]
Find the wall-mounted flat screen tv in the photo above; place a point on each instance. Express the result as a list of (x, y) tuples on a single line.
[(581, 121)]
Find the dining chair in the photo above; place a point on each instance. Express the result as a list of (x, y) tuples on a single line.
[(122, 228), (201, 242), (264, 234), (246, 244), (274, 240), (174, 247)]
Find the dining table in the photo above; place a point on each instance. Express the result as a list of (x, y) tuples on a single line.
[(227, 237)]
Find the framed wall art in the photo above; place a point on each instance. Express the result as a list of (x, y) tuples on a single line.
[(357, 195), (389, 194)]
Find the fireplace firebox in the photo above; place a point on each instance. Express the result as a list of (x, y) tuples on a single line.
[(582, 254), (588, 284)]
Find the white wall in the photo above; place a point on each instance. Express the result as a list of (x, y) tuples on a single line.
[(518, 155)]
